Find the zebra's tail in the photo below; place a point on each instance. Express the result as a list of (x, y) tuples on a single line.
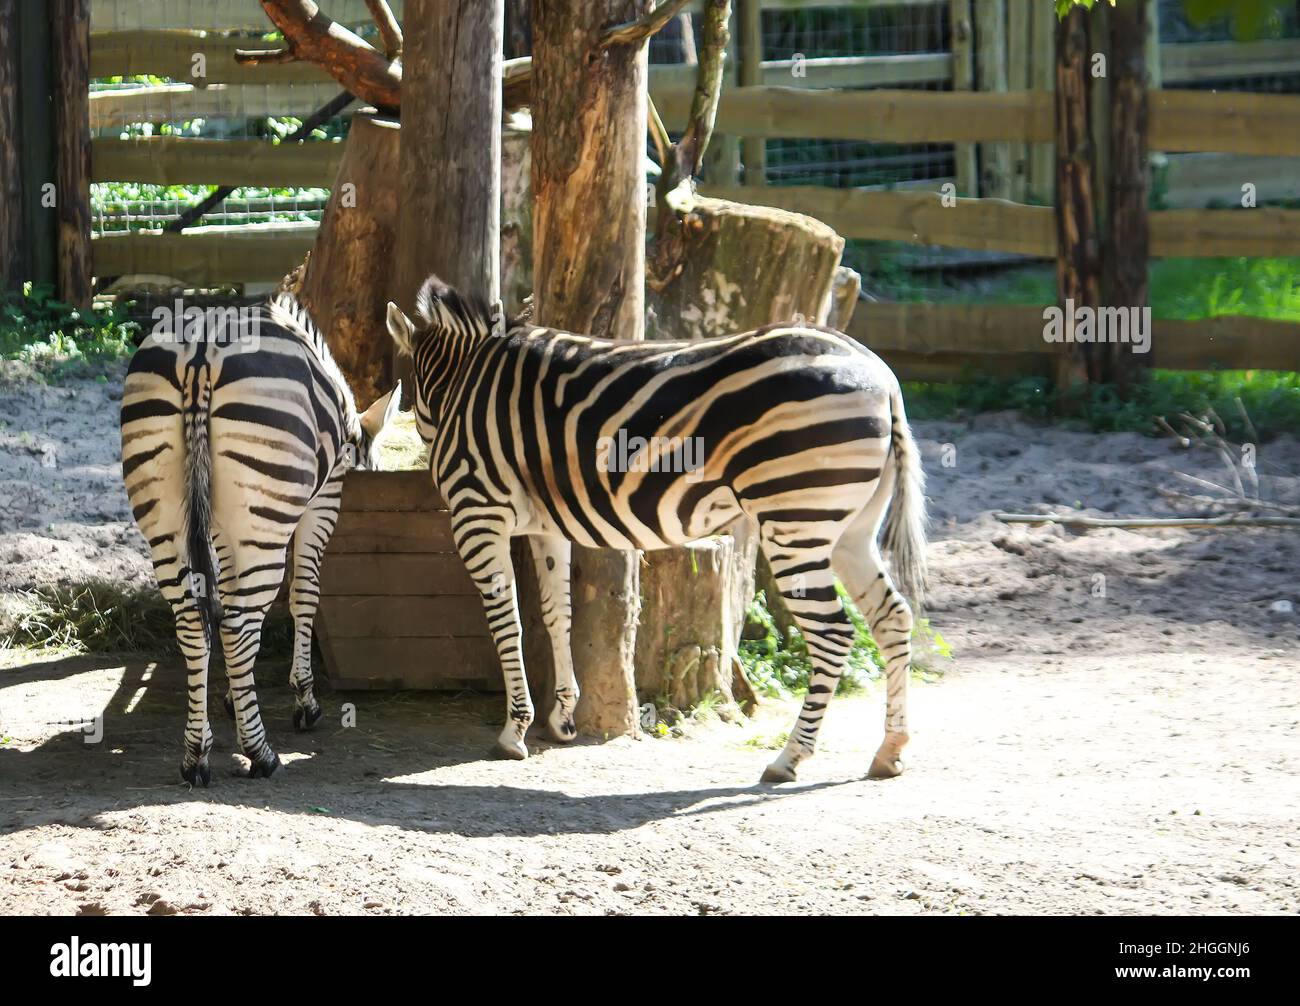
[(202, 578), (905, 524)]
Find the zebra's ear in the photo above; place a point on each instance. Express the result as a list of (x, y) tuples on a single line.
[(381, 412), (401, 329)]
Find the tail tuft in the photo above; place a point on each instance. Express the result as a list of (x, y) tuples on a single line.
[(905, 524)]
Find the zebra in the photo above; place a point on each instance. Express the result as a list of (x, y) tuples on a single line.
[(805, 435), (234, 442)]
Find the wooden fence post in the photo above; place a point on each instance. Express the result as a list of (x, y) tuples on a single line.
[(1042, 158), (1018, 63), (753, 148), (70, 23), (36, 143), (962, 34), (589, 138), (991, 73)]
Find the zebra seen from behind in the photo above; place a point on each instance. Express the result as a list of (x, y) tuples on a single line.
[(800, 429), (234, 441)]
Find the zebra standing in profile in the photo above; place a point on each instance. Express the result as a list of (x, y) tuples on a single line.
[(235, 439), (802, 430)]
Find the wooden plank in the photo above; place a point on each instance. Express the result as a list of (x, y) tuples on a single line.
[(406, 617), (1225, 121), (185, 102), (883, 115), (1261, 232), (1194, 181), (399, 573), (228, 15), (938, 339), (13, 268), (963, 79), (174, 54), (916, 217), (393, 531), (750, 72), (1196, 62), (391, 491), (450, 663), (174, 160), (248, 253), (1228, 342)]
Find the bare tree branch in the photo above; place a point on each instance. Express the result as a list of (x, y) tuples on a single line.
[(688, 154), (633, 32), (266, 57), (389, 31)]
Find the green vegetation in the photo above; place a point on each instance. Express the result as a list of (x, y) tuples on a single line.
[(55, 337)]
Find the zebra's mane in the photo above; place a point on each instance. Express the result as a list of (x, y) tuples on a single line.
[(288, 312)]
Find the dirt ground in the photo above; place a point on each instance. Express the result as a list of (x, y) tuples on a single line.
[(1119, 732)]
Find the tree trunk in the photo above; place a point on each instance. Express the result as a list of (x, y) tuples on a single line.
[(12, 266), (589, 185), (719, 268), (70, 23), (1078, 252), (346, 285), (1124, 280), (450, 163)]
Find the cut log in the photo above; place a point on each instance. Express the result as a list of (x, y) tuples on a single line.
[(718, 268), (683, 649), (346, 283), (845, 292)]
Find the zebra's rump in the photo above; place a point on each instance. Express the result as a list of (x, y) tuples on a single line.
[(273, 404), (649, 444)]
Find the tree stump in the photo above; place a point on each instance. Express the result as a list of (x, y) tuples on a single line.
[(346, 285), (718, 268), (684, 644)]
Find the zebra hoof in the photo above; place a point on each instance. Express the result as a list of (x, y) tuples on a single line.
[(559, 726), (266, 767), (261, 768), (198, 774), (306, 717), (885, 767), (776, 772), (229, 703), (511, 750)]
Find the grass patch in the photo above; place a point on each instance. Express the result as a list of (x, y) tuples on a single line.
[(103, 617), (56, 338), (1270, 398)]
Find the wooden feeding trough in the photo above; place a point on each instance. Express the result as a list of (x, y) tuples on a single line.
[(397, 608)]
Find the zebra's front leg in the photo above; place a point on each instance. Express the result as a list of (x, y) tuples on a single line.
[(312, 535), (551, 557), (487, 558), (807, 584)]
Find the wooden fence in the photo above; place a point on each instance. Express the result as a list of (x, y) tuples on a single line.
[(1214, 130)]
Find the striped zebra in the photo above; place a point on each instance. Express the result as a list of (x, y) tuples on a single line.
[(801, 430), (235, 440)]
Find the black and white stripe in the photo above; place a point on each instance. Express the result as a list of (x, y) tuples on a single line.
[(233, 443), (802, 431)]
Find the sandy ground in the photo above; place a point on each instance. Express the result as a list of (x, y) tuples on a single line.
[(1119, 733)]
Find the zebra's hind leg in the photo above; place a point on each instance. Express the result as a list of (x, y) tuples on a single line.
[(803, 575), (310, 539), (859, 564), (258, 572), (486, 554), (551, 556)]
